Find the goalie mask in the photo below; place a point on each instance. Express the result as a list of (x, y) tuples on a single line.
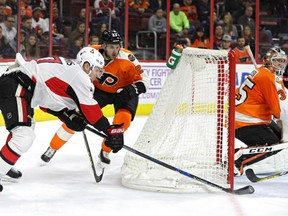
[(275, 60), (93, 57)]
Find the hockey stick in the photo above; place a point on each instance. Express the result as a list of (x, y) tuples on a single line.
[(98, 178), (253, 178), (245, 190), (251, 56)]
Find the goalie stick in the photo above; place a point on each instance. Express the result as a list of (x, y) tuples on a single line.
[(251, 56), (253, 178), (245, 190), (98, 178)]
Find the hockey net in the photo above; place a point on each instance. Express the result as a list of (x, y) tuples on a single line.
[(189, 128)]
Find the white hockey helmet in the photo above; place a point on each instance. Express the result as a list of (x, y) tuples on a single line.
[(90, 55)]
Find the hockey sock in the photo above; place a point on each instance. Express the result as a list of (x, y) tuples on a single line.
[(123, 116), (62, 136)]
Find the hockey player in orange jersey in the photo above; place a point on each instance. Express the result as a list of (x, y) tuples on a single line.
[(120, 84), (257, 104)]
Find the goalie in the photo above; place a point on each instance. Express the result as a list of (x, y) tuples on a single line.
[(258, 101)]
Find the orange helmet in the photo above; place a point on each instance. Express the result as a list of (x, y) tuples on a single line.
[(275, 60)]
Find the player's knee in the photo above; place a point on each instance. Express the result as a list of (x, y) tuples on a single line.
[(22, 139), (124, 117)]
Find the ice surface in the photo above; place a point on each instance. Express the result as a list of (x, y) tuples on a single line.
[(66, 186)]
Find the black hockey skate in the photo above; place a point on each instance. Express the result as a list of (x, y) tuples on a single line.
[(48, 154), (11, 176), (14, 173)]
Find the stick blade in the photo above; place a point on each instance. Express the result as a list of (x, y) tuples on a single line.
[(98, 178), (245, 190), (251, 175)]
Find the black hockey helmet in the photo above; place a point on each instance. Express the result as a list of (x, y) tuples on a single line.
[(111, 37)]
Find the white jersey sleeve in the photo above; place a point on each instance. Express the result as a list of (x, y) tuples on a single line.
[(62, 84)]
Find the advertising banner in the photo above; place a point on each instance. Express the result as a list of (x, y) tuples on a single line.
[(158, 73)]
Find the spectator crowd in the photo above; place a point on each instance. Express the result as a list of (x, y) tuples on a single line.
[(234, 24)]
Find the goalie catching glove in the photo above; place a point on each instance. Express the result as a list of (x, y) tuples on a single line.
[(128, 92), (115, 138)]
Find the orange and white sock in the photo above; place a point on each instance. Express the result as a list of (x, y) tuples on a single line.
[(62, 136)]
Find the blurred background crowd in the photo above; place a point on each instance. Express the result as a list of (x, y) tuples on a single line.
[(150, 28)]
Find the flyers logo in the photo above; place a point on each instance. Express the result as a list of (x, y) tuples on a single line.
[(108, 79)]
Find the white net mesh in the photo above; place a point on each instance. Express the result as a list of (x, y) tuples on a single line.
[(187, 127)]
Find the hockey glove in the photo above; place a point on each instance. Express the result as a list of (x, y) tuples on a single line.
[(74, 120), (115, 138), (127, 93)]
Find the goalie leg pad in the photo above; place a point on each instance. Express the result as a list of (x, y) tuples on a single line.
[(257, 157), (242, 160)]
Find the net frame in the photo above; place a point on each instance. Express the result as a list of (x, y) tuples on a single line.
[(138, 179)]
